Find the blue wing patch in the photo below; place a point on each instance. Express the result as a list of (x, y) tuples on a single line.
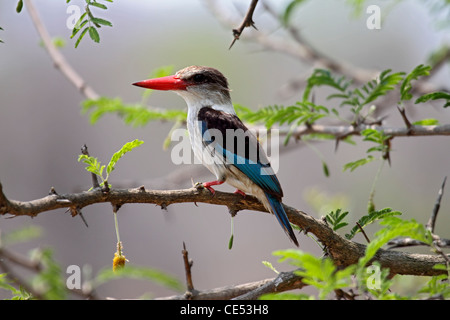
[(228, 137)]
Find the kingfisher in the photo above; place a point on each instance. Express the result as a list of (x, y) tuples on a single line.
[(221, 141)]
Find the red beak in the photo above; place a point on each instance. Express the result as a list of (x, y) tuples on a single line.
[(163, 83)]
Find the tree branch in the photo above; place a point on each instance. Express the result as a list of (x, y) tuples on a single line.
[(58, 59), (247, 291), (344, 131), (341, 250), (247, 22)]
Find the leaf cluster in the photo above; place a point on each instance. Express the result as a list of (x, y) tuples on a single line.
[(360, 101), (132, 114), (88, 23), (94, 166), (360, 279), (370, 218)]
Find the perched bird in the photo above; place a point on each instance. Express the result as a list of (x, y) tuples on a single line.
[(220, 139)]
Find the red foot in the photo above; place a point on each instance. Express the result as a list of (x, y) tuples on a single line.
[(208, 185), (242, 193)]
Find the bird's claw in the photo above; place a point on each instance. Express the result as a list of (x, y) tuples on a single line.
[(213, 192)]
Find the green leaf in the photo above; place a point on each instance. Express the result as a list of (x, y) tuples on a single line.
[(303, 112), (59, 42), (17, 294), (437, 286), (321, 77), (143, 273), (435, 96), (325, 169), (318, 272), (426, 122), (49, 279), (98, 5), (289, 9), (386, 82), (93, 165), (355, 164), (23, 234), (370, 218), (81, 36), (395, 227), (127, 147), (335, 219), (135, 115), (93, 33), (19, 6), (270, 266), (230, 242), (406, 86), (102, 22), (79, 24)]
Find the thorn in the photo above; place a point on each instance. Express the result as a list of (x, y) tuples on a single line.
[(52, 191), (84, 150), (142, 189), (74, 211), (336, 145), (431, 223), (82, 218), (234, 40)]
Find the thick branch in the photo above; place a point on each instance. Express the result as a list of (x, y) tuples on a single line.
[(343, 251), (344, 131)]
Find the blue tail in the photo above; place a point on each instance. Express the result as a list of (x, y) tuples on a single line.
[(281, 215)]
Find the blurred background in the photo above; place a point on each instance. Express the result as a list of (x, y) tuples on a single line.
[(42, 130)]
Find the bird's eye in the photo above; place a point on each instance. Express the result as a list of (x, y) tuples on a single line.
[(199, 78)]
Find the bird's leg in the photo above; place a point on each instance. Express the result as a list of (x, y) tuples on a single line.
[(242, 193), (208, 185)]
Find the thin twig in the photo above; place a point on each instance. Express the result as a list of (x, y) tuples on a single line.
[(246, 291), (363, 232), (432, 222), (247, 22), (284, 281), (341, 250), (58, 59), (187, 267), (343, 131), (95, 183), (402, 111)]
